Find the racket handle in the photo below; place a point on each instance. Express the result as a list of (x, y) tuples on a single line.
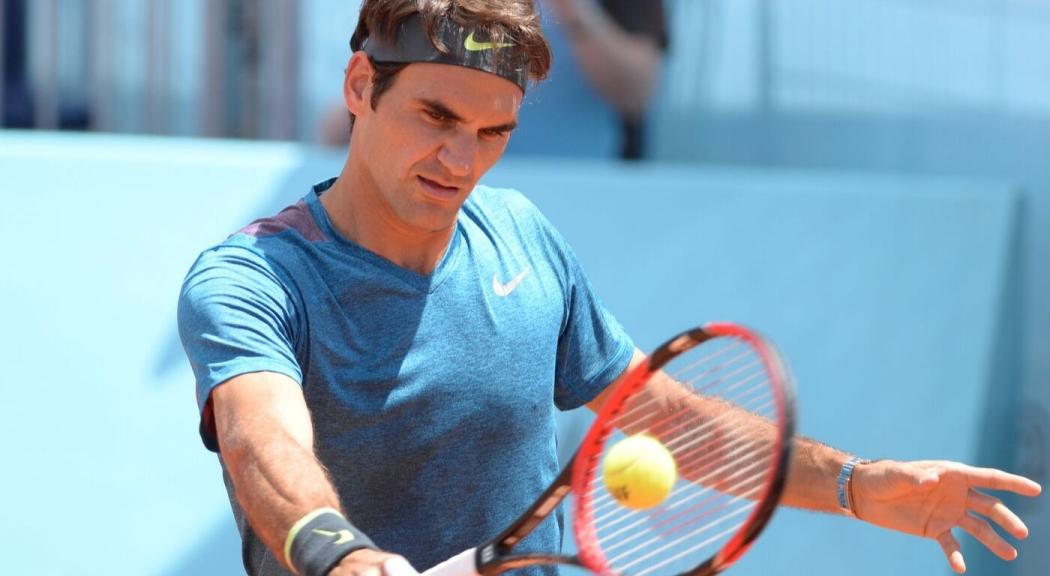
[(463, 564)]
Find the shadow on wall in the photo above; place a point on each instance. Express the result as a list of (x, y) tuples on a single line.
[(317, 166), (217, 552)]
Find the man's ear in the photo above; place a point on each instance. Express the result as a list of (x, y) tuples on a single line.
[(357, 84)]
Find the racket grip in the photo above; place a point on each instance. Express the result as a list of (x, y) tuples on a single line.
[(463, 564)]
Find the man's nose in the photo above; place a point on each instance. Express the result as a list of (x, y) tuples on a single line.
[(458, 152)]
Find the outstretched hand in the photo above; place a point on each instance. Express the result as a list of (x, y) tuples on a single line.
[(930, 498)]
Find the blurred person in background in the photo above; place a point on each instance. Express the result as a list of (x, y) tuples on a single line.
[(37, 99), (608, 56), (17, 109), (607, 60)]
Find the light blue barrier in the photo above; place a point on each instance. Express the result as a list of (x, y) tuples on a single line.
[(887, 295), (986, 144)]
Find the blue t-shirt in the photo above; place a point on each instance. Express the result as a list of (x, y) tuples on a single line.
[(432, 397)]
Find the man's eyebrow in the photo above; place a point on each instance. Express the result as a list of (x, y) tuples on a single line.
[(508, 127), (442, 109)]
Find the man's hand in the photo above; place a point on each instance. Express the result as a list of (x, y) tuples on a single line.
[(930, 498), (366, 562)]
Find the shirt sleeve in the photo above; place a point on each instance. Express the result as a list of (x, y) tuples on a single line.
[(643, 17), (593, 348), (235, 317)]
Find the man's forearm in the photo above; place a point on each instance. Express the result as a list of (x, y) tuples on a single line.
[(622, 67), (812, 476), (277, 481)]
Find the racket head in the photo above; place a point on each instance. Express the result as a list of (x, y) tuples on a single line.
[(731, 464)]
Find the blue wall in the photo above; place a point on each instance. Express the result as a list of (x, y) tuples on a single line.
[(890, 296), (866, 212)]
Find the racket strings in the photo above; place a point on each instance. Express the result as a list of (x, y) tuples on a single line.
[(681, 437), (692, 456), (689, 511), (724, 534), (686, 379), (724, 523), (683, 493), (682, 434), (719, 436), (712, 501), (687, 443), (642, 409), (656, 531), (673, 421)]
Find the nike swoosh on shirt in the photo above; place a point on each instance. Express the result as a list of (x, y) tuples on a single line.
[(504, 290)]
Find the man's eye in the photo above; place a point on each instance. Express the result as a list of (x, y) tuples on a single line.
[(438, 116)]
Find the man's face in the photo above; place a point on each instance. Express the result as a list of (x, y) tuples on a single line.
[(433, 134)]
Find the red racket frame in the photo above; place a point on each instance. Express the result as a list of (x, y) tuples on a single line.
[(585, 464)]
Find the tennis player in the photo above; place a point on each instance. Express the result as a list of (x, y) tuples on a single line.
[(378, 365)]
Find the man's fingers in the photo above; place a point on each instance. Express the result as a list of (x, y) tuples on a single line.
[(368, 562), (993, 479), (997, 512), (398, 566), (987, 535), (366, 570), (952, 552)]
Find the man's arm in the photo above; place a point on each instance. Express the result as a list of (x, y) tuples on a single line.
[(926, 498), (622, 66), (265, 439), (814, 466)]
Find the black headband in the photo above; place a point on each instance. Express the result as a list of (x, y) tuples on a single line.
[(465, 47)]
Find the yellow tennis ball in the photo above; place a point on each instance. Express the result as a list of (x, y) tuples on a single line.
[(639, 472)]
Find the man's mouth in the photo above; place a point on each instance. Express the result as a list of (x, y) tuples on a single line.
[(438, 189)]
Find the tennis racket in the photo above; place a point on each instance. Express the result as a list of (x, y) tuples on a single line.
[(720, 401)]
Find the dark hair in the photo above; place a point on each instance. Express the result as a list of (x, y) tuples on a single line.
[(513, 21)]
